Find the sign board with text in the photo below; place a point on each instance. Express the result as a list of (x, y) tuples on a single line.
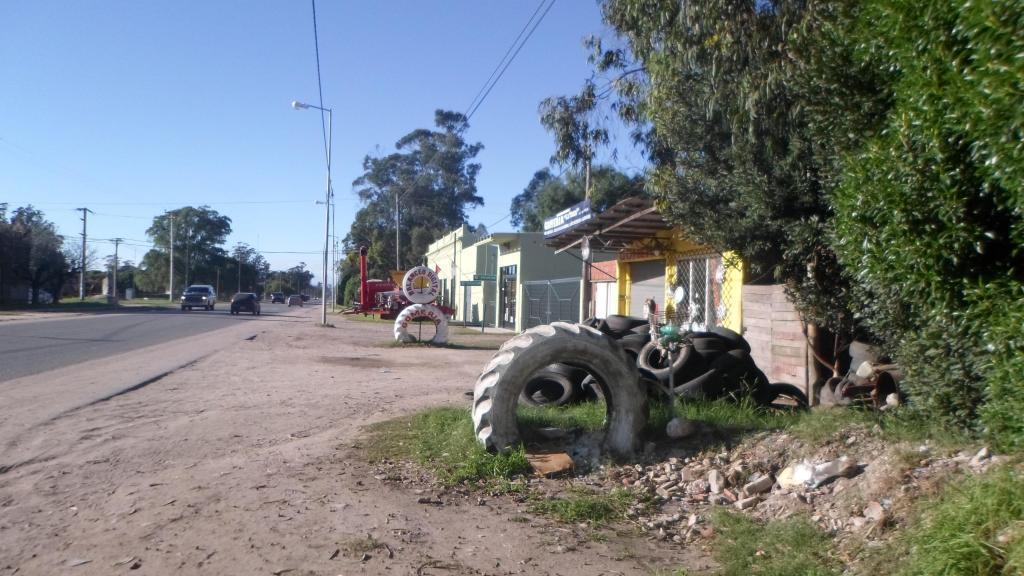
[(469, 283), (567, 219), (485, 277)]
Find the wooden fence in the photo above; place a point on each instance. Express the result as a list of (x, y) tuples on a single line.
[(773, 328)]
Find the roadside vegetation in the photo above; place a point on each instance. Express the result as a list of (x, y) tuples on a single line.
[(971, 525)]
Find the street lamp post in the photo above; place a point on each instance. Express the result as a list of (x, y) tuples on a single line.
[(327, 208)]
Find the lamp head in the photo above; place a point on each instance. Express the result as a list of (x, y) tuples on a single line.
[(299, 105)]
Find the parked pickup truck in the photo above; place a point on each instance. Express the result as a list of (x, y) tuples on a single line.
[(199, 295)]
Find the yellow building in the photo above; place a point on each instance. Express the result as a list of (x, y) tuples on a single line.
[(656, 261)]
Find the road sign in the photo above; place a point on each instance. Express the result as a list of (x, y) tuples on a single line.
[(469, 283), (485, 277)]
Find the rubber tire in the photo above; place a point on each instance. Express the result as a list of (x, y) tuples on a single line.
[(773, 392), (497, 390), (619, 324), (546, 379), (732, 338), (633, 344), (421, 311), (661, 372)]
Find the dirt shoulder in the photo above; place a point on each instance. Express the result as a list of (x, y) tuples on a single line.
[(248, 462)]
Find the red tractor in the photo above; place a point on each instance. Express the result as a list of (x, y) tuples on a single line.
[(381, 297)]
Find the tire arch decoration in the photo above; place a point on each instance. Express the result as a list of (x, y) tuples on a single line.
[(417, 311)]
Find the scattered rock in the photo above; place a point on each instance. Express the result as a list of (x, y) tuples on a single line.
[(874, 512), (795, 475), (716, 482), (979, 458), (758, 486), (842, 467), (680, 428), (747, 502)]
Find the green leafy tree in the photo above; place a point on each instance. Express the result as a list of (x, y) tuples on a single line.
[(32, 254), (199, 235), (423, 189), (547, 194), (929, 205)]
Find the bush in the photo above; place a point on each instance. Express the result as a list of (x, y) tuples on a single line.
[(929, 212)]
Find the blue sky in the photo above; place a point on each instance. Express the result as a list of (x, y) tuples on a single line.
[(131, 108)]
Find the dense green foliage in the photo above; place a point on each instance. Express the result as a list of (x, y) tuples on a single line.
[(432, 178), (32, 256), (865, 152), (547, 194), (929, 208)]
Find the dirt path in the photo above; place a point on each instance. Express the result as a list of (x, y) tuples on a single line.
[(244, 463)]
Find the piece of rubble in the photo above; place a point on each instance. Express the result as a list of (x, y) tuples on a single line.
[(874, 512), (550, 465), (697, 487), (716, 482), (979, 458), (747, 502), (842, 467), (794, 475), (892, 400), (758, 486), (687, 475)]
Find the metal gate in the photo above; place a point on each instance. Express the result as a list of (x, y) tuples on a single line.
[(550, 301)]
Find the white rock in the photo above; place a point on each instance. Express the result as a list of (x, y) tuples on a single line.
[(758, 486), (716, 482), (680, 428), (796, 474)]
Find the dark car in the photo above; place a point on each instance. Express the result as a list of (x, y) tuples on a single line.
[(199, 296), (245, 302), (305, 297), (295, 300), (276, 297)]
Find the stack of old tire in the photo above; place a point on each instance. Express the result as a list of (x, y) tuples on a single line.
[(716, 364), (559, 384)]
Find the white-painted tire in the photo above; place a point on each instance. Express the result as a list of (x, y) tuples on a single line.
[(433, 313), (421, 285), (503, 380)]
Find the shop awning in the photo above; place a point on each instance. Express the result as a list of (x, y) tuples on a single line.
[(630, 220)]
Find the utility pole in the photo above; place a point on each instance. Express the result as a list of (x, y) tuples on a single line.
[(117, 242), (81, 273), (238, 251), (170, 289), (398, 238)]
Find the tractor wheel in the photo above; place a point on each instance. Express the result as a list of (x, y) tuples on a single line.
[(504, 379), (415, 311)]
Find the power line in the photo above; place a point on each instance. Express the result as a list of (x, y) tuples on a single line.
[(510, 60), (505, 56)]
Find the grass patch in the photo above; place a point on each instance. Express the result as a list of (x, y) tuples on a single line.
[(791, 547), (587, 416), (582, 505), (442, 441), (975, 526), (368, 319), (895, 426)]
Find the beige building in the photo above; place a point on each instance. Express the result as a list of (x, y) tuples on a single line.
[(507, 279)]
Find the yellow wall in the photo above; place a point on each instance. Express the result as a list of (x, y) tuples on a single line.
[(675, 246)]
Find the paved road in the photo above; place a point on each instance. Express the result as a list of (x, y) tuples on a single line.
[(33, 346)]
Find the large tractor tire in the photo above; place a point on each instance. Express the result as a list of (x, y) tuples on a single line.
[(432, 313), (504, 379)]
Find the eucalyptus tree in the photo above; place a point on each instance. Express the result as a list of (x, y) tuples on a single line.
[(415, 194)]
